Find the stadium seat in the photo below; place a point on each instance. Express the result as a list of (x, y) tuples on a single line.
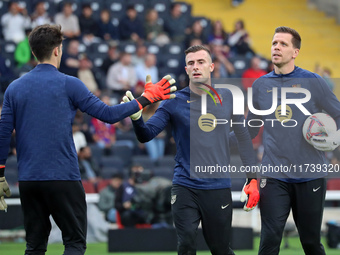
[(127, 47), (3, 7), (170, 64), (117, 10), (144, 161), (88, 186), (173, 49), (112, 161), (153, 48), (241, 64), (96, 152), (167, 161), (8, 47), (333, 184), (102, 184), (163, 171), (162, 7), (124, 153), (106, 172), (11, 170)]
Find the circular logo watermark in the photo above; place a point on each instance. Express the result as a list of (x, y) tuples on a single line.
[(281, 115), (206, 122)]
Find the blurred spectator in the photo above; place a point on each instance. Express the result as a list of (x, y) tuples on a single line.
[(78, 137), (112, 56), (6, 75), (336, 157), (239, 40), (106, 30), (68, 21), (130, 26), (88, 25), (154, 31), (85, 73), (23, 54), (325, 73), (14, 23), (89, 169), (83, 120), (145, 68), (176, 25), (40, 16), (13, 145), (195, 41), (121, 76), (104, 134), (130, 212), (226, 68), (219, 36), (219, 70), (107, 197), (70, 59), (156, 146), (139, 56), (196, 32), (252, 73)]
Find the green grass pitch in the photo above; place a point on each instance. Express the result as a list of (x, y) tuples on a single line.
[(101, 249)]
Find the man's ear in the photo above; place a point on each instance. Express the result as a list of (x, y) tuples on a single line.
[(56, 51), (212, 67), (296, 53)]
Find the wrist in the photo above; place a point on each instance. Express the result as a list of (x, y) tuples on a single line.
[(2, 171), (142, 101)]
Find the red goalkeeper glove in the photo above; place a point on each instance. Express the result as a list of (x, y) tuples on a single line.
[(157, 92), (4, 189), (250, 194)]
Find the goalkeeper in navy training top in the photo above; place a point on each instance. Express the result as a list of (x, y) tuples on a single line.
[(201, 197), (41, 106), (302, 189)]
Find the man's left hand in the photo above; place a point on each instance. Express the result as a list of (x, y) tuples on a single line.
[(250, 195), (326, 143)]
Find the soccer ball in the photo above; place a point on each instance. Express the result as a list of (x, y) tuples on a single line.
[(318, 124)]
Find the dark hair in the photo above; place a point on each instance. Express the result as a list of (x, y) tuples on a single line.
[(86, 5), (117, 176), (43, 39), (196, 48), (296, 40)]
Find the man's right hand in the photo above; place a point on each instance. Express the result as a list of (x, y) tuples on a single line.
[(4, 189), (157, 92)]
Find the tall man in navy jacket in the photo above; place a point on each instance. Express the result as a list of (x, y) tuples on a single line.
[(41, 106)]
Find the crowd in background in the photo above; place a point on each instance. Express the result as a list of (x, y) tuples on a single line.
[(111, 46)]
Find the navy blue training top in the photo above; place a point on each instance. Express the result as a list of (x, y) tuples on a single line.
[(41, 106), (194, 146), (286, 146)]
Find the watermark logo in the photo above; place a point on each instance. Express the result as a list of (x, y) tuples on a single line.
[(280, 116), (283, 113), (207, 122)]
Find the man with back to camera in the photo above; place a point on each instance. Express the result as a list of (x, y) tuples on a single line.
[(300, 190), (41, 106), (203, 199)]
